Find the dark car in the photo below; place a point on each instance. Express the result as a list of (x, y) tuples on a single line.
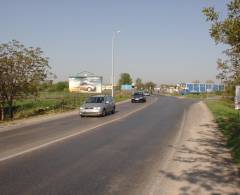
[(138, 97)]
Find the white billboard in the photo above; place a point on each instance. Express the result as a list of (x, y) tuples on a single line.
[(85, 84)]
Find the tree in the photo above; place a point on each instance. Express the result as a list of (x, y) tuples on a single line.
[(150, 86), (196, 81), (125, 78), (227, 31), (209, 81), (21, 71), (139, 84)]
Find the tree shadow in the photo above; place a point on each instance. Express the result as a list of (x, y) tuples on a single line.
[(209, 166)]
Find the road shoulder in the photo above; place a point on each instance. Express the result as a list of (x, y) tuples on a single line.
[(41, 118), (201, 164)]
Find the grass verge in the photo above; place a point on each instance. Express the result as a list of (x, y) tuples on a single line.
[(53, 102), (203, 95), (228, 120)]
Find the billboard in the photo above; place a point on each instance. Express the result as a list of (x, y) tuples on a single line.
[(196, 87), (126, 87), (209, 87), (203, 87), (189, 87), (85, 84), (215, 87)]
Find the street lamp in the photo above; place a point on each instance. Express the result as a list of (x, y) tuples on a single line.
[(115, 33)]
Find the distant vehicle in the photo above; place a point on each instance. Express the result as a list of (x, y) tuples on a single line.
[(99, 105), (138, 97), (87, 86), (146, 93)]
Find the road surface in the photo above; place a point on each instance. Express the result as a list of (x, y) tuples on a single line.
[(73, 155)]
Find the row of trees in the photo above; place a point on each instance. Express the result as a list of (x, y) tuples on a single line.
[(49, 86), (207, 81), (227, 32), (125, 78)]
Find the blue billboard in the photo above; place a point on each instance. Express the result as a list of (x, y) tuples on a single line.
[(196, 87), (203, 87), (221, 87), (215, 87), (189, 86), (209, 87)]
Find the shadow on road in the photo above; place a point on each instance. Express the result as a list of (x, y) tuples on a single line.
[(203, 164)]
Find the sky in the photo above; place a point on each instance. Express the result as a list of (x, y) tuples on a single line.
[(164, 41)]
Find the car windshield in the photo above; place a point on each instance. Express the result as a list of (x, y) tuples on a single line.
[(95, 100), (137, 94)]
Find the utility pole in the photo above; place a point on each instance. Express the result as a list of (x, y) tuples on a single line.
[(115, 33)]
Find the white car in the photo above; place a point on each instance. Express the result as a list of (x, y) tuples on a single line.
[(146, 94), (99, 105), (87, 87)]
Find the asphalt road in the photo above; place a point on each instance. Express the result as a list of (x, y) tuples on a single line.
[(112, 155)]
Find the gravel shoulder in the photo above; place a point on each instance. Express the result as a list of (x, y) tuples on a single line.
[(200, 163)]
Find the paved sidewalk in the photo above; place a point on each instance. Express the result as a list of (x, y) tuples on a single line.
[(201, 164)]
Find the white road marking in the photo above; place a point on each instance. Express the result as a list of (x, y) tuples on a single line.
[(72, 135)]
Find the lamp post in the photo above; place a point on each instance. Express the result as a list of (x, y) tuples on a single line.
[(115, 33)]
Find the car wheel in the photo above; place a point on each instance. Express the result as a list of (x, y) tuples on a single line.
[(104, 113), (113, 110)]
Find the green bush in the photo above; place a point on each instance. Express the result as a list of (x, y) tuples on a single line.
[(54, 87)]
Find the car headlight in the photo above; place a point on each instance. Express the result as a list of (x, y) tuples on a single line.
[(81, 108)]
